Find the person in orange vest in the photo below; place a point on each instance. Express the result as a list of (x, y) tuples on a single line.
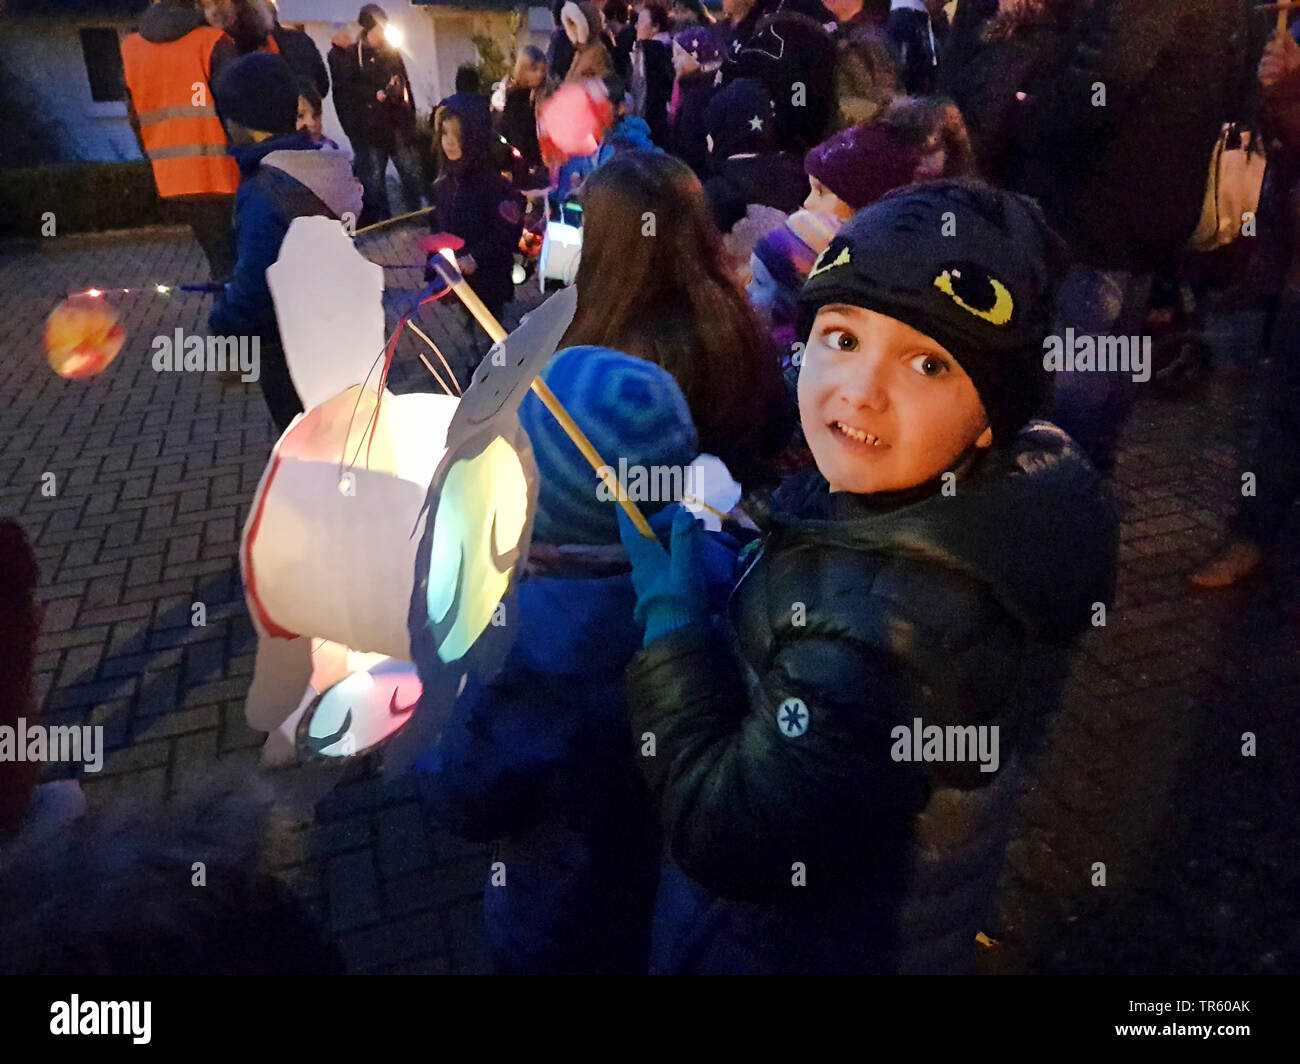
[(170, 66)]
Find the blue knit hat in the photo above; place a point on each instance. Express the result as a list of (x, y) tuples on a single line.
[(630, 409)]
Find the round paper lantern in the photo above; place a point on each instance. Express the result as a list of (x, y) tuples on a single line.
[(575, 118), (82, 336)]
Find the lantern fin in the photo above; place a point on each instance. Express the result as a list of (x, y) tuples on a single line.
[(329, 308)]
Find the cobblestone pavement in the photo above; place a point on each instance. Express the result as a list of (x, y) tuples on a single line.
[(1143, 770)]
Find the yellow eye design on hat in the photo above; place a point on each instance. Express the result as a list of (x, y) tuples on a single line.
[(842, 259), (976, 292)]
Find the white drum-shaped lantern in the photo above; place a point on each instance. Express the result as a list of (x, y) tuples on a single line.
[(561, 252), (329, 547)]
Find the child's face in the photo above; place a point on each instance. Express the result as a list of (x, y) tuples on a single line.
[(822, 200), (451, 139), (884, 407), (309, 119)]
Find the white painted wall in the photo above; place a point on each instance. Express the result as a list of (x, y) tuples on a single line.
[(437, 41), (46, 58), (45, 54)]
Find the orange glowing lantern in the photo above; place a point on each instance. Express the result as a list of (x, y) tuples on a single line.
[(82, 336)]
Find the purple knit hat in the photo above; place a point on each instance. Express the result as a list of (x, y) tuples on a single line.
[(862, 163), (700, 43)]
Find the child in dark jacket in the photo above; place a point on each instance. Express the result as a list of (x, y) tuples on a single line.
[(834, 776), (473, 200), (539, 757), (285, 175)]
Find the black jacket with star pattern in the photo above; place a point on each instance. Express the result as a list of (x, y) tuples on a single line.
[(774, 732)]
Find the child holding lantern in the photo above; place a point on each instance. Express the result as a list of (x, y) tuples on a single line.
[(932, 572)]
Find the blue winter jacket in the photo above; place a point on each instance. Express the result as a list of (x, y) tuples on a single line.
[(629, 133), (541, 759), (283, 178)]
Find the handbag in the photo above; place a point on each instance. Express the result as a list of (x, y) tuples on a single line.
[(1232, 191)]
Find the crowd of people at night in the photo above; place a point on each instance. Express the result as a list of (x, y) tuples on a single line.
[(830, 246)]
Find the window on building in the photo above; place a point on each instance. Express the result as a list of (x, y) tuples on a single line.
[(103, 55)]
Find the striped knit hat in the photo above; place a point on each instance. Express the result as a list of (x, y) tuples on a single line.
[(629, 409), (789, 251)]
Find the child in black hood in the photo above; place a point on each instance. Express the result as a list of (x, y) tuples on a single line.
[(473, 200)]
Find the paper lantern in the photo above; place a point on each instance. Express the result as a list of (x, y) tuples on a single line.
[(561, 254), (432, 243), (387, 524), (82, 336), (478, 531), (328, 543), (360, 712), (573, 120), (328, 549)]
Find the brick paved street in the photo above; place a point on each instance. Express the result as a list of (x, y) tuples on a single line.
[(1143, 770)]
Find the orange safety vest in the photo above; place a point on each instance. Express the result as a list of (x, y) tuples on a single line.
[(184, 139)]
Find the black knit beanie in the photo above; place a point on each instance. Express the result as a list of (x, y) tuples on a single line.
[(972, 267), (370, 15), (259, 91)]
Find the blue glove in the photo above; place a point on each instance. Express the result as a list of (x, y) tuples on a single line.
[(670, 592)]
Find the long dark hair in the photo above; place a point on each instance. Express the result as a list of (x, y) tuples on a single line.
[(653, 282)]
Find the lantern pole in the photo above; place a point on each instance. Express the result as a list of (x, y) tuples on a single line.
[(1282, 9), (543, 392)]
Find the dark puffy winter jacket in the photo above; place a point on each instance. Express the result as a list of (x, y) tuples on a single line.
[(359, 72), (541, 761), (658, 60), (919, 42), (983, 77), (303, 57), (776, 179), (519, 127), (778, 761), (559, 53), (687, 138), (1124, 182), (793, 55)]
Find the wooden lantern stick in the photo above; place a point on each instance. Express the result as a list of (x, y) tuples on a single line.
[(543, 392), (1282, 9)]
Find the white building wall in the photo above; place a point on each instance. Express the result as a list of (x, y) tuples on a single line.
[(437, 40), (44, 57)]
